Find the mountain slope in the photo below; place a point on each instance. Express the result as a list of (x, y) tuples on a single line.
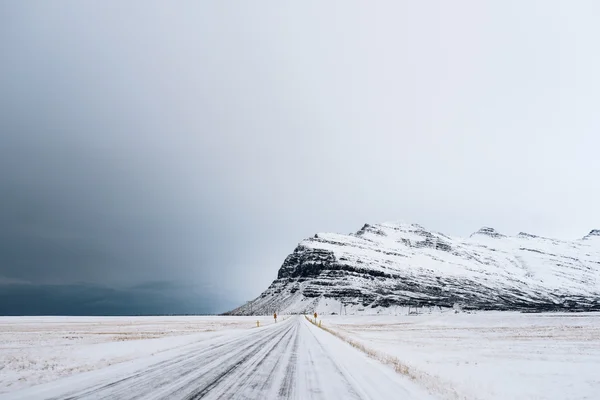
[(398, 264)]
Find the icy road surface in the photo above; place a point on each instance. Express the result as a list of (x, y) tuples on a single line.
[(288, 360)]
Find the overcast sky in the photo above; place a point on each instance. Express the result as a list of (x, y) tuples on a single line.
[(196, 143)]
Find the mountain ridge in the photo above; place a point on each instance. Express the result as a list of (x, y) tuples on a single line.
[(400, 264)]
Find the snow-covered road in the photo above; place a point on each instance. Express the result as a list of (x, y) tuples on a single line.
[(289, 360)]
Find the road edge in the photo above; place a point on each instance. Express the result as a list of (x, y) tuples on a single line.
[(435, 385)]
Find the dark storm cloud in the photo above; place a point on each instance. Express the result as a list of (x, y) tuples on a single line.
[(145, 144), (87, 299)]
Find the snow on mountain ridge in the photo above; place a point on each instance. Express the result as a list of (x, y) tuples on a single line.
[(594, 233), (486, 231), (396, 263)]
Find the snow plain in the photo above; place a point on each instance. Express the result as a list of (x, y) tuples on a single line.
[(36, 350), (485, 355), (291, 359), (488, 355)]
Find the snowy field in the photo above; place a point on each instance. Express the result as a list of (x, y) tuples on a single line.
[(441, 355), (495, 355), (292, 359), (36, 350)]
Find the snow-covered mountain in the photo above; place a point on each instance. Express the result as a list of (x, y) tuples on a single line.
[(398, 264)]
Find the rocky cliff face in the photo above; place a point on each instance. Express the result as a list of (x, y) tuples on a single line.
[(396, 264)]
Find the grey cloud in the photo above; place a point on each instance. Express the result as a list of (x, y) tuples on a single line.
[(198, 143), (88, 299)]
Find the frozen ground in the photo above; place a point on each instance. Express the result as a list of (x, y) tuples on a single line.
[(497, 355), (35, 350), (291, 359)]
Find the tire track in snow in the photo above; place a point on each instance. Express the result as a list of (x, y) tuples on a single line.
[(290, 360), (286, 389), (240, 381)]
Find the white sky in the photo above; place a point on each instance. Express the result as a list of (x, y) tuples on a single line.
[(203, 141)]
